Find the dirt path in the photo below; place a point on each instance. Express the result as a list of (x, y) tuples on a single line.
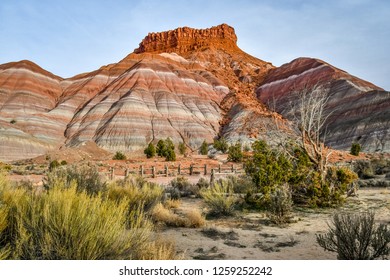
[(251, 236)]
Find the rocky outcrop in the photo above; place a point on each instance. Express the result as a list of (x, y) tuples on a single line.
[(358, 110), (185, 39)]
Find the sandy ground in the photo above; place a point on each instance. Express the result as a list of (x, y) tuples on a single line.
[(251, 236)]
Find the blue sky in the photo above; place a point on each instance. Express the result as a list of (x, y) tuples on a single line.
[(70, 37)]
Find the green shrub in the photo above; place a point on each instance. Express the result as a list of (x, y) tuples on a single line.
[(203, 183), (235, 153), (160, 149), (12, 121), (355, 149), (267, 168), (181, 187), (221, 145), (64, 162), (340, 181), (204, 148), (87, 178), (220, 198), (241, 184), (150, 151), (356, 237), (119, 156), (166, 148), (270, 168), (182, 148), (181, 183), (170, 155), (169, 144)]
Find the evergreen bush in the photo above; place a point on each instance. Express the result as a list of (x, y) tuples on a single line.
[(204, 148), (235, 153), (221, 145), (150, 151), (355, 149), (182, 148), (119, 156)]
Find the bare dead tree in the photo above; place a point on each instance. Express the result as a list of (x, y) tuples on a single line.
[(308, 110)]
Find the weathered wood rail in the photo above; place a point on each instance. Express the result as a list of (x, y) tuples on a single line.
[(172, 171)]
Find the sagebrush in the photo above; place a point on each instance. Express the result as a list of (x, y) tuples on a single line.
[(356, 237)]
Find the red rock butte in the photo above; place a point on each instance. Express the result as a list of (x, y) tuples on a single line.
[(186, 39)]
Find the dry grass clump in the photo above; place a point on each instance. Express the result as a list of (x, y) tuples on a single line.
[(172, 203), (160, 214), (160, 250), (193, 218)]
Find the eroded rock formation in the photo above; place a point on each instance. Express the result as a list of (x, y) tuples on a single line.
[(187, 84), (358, 110), (185, 39)]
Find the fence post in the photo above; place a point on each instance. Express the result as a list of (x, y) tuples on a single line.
[(232, 167), (142, 170), (191, 169), (166, 170), (212, 177), (205, 169), (179, 169), (219, 168), (126, 172), (112, 173), (153, 171)]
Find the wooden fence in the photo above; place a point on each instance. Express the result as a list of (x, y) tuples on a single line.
[(171, 171)]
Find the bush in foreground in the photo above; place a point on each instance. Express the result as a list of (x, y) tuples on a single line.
[(356, 237), (270, 168), (87, 178), (65, 223), (137, 192)]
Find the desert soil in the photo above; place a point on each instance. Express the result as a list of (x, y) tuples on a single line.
[(251, 236)]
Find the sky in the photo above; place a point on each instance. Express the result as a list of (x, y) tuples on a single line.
[(74, 36)]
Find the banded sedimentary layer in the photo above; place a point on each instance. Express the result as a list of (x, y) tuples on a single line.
[(188, 84), (357, 110)]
